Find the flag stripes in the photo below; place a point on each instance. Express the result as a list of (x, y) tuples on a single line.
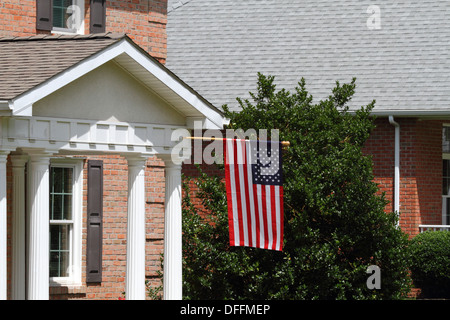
[(255, 211)]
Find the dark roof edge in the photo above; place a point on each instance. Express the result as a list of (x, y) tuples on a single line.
[(414, 113)]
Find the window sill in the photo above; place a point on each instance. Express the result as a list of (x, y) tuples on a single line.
[(66, 32), (67, 289)]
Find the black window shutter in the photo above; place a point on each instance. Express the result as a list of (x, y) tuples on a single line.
[(44, 14), (94, 221), (98, 16)]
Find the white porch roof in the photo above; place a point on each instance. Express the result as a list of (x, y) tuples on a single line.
[(121, 49)]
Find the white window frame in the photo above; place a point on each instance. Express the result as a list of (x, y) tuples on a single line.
[(74, 278), (80, 29)]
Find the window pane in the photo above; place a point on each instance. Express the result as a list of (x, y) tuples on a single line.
[(444, 186), (446, 139), (61, 193), (59, 250), (67, 180), (444, 169), (61, 180), (447, 213), (56, 207), (67, 212), (60, 14), (57, 180), (446, 177)]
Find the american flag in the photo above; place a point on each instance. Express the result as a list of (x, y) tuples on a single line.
[(254, 184)]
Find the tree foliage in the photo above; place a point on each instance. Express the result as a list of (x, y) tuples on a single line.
[(335, 220)]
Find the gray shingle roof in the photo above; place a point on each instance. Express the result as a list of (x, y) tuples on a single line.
[(219, 46), (28, 61)]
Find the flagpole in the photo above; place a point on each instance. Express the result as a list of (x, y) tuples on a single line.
[(283, 143)]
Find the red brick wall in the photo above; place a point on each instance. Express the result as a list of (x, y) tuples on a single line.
[(420, 169), (144, 21), (381, 147), (429, 170), (115, 194), (17, 17)]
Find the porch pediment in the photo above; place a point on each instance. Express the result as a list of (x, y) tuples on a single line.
[(116, 73), (109, 93)]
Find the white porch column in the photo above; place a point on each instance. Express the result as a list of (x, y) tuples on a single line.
[(18, 227), (135, 271), (3, 223), (172, 233), (38, 232)]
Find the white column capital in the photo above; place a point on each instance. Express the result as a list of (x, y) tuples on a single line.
[(19, 160), (171, 161), (135, 157), (40, 158), (4, 154), (169, 165), (136, 162), (38, 153)]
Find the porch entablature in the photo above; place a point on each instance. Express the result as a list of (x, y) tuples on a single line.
[(80, 135)]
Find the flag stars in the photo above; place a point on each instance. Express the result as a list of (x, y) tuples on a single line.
[(266, 169)]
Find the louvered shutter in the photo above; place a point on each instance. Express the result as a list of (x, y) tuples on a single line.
[(94, 221), (44, 14), (98, 16)]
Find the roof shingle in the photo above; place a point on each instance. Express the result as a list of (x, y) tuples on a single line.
[(26, 62), (219, 47)]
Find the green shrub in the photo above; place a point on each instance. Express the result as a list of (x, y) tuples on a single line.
[(335, 223), (430, 263)]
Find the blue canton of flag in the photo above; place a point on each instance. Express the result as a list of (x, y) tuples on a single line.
[(267, 169)]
